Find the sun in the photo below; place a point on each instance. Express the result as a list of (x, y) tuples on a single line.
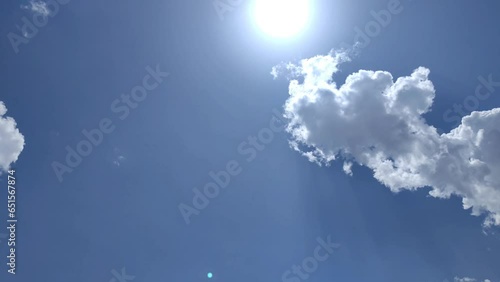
[(281, 18)]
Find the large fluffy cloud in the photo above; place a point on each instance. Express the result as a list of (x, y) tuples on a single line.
[(11, 140), (376, 121)]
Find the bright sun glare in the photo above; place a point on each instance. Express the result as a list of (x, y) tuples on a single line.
[(281, 18)]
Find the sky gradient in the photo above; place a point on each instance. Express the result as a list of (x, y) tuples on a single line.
[(161, 103)]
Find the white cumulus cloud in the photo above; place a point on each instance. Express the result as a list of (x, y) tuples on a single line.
[(11, 140), (375, 120)]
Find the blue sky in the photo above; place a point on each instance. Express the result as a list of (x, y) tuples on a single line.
[(207, 91)]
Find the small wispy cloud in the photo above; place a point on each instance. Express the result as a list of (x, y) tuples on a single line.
[(117, 157), (37, 7), (118, 161), (467, 279)]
